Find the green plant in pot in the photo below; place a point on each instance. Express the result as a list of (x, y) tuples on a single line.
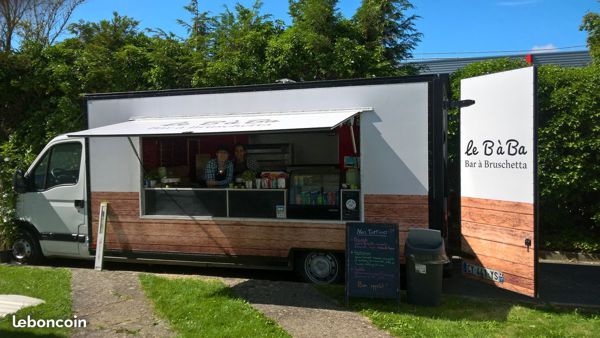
[(248, 176), (153, 177)]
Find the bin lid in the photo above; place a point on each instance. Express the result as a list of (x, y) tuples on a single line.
[(426, 246), (424, 238)]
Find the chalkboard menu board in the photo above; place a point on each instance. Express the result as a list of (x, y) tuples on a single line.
[(372, 261)]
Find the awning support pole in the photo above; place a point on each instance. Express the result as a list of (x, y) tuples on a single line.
[(352, 136), (136, 153), (144, 172)]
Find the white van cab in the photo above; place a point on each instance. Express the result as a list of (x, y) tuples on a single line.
[(51, 207)]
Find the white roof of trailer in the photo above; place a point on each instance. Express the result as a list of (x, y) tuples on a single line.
[(223, 124)]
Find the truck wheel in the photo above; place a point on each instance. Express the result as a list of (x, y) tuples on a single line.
[(26, 249), (320, 267)]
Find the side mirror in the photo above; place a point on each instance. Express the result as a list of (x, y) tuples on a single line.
[(19, 182)]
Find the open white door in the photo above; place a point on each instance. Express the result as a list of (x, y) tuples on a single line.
[(499, 180)]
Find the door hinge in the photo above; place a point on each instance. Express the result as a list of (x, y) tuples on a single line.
[(458, 104)]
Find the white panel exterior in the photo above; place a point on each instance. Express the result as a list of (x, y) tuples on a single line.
[(114, 166), (394, 136), (503, 110), (394, 144)]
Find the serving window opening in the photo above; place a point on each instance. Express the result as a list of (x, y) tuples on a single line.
[(309, 175)]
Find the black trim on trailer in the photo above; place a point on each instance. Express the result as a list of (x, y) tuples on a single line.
[(536, 192), (437, 153), (88, 183), (430, 148), (238, 261), (51, 236), (261, 87)]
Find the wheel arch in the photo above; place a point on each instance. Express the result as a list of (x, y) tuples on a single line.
[(27, 226)]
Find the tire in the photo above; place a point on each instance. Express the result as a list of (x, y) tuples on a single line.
[(26, 249), (320, 267)]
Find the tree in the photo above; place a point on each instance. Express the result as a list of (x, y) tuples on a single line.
[(170, 63), (239, 41), (110, 55), (387, 31), (46, 20), (591, 24), (200, 27), (11, 14), (40, 21), (322, 44), (305, 51)]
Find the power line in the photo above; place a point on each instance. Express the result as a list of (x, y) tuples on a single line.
[(500, 51)]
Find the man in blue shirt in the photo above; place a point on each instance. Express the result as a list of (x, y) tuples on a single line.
[(219, 171)]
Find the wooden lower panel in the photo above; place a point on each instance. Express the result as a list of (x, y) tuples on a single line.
[(521, 270), (227, 231), (229, 242), (493, 236), (127, 231), (197, 249), (497, 217), (496, 234), (512, 207), (506, 252), (408, 211), (397, 199), (100, 196)]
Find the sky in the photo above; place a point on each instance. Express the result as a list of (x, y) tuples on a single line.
[(451, 28)]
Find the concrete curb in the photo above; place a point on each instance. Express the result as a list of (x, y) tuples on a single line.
[(568, 257)]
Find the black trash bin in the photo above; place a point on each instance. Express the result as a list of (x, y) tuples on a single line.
[(425, 258)]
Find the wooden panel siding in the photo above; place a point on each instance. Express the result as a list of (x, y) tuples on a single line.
[(493, 236), (408, 211), (128, 232)]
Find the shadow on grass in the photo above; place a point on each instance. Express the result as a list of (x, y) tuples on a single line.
[(455, 308), (285, 294)]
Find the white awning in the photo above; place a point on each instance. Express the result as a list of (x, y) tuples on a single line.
[(223, 124)]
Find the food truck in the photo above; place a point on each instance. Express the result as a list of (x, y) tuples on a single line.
[(329, 152)]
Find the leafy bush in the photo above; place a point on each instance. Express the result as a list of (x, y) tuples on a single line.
[(13, 155), (569, 147)]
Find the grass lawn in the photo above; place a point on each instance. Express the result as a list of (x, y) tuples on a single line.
[(466, 317), (51, 285), (197, 308)]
